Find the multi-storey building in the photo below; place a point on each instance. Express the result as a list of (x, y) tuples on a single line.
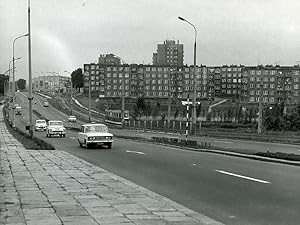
[(51, 83), (243, 83), (109, 59), (148, 80), (277, 84), (169, 53), (227, 81)]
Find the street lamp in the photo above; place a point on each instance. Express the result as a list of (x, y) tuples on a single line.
[(71, 102), (195, 91), (13, 84), (9, 69), (123, 93)]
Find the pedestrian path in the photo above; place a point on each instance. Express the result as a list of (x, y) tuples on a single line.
[(52, 187)]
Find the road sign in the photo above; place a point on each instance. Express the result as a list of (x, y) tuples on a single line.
[(189, 102)]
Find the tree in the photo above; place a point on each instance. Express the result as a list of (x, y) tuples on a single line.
[(21, 83), (77, 78), (3, 79), (140, 107)]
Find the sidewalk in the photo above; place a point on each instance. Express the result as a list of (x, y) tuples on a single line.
[(51, 187)]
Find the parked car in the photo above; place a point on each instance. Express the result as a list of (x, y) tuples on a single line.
[(55, 127), (46, 104), (72, 119), (94, 134), (40, 125), (18, 110)]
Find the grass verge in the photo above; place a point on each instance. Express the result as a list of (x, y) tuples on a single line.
[(25, 139)]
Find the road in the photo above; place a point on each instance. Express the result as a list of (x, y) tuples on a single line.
[(229, 189)]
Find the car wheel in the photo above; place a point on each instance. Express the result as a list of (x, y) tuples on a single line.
[(47, 135), (86, 145), (80, 143), (109, 145), (64, 135)]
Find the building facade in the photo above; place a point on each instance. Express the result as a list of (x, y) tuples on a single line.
[(148, 80), (169, 53), (242, 83), (51, 83)]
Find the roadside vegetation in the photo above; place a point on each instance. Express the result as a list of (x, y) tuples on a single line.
[(24, 138)]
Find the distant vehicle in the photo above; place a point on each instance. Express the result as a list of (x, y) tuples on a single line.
[(40, 125), (18, 110), (94, 134), (46, 104), (114, 116), (72, 119), (55, 127)]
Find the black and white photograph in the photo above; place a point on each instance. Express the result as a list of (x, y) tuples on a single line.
[(149, 112)]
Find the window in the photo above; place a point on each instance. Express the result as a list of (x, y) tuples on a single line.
[(296, 86)]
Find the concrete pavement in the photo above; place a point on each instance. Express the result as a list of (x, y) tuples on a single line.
[(53, 187)]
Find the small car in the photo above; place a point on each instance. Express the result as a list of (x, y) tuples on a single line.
[(94, 134), (40, 125), (18, 110), (55, 127), (72, 119), (45, 104)]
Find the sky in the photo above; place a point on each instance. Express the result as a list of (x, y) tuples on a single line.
[(65, 34)]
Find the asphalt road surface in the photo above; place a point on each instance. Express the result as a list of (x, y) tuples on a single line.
[(229, 189)]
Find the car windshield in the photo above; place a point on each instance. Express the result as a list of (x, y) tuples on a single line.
[(92, 129), (40, 121), (55, 123)]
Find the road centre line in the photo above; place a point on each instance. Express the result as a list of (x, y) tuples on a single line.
[(244, 177), (141, 153)]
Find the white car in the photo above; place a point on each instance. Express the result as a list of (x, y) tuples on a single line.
[(55, 127), (40, 125), (95, 134), (72, 119)]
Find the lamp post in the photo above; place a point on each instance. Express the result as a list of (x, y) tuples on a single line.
[(13, 84), (86, 73), (123, 93), (9, 69), (195, 91), (71, 102)]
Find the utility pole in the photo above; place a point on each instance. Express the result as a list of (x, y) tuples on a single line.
[(169, 99), (89, 109), (30, 97), (260, 112), (123, 99)]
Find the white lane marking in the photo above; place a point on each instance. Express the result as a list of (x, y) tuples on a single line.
[(72, 137), (226, 142), (141, 153), (244, 177)]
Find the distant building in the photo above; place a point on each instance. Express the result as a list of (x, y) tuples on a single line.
[(109, 59), (169, 53), (51, 83)]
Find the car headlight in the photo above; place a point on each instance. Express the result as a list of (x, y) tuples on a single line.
[(109, 137), (91, 138)]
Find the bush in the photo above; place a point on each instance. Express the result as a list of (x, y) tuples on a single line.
[(280, 155), (181, 142)]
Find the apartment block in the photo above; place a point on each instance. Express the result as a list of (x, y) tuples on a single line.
[(169, 53), (148, 80)]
